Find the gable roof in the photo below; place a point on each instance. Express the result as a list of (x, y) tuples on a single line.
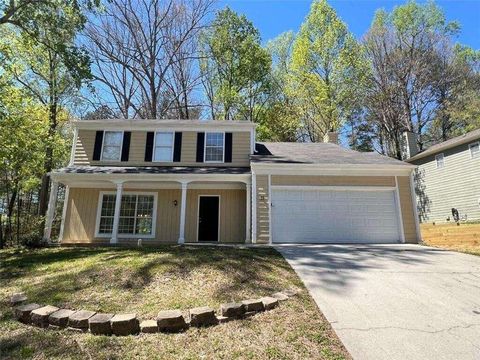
[(456, 141), (317, 153)]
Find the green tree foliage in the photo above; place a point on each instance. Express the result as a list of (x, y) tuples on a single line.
[(235, 67), (329, 71)]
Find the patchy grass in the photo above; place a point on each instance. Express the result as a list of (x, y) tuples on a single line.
[(463, 237), (148, 280)]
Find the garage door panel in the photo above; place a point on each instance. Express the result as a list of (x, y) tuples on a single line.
[(349, 216)]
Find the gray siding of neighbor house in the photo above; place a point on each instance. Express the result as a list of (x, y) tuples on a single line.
[(456, 185)]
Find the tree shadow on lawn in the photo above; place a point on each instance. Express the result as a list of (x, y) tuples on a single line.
[(135, 273)]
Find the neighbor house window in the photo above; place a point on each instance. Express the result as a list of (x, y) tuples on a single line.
[(440, 161), (475, 150), (163, 146), (136, 214), (112, 145), (214, 144)]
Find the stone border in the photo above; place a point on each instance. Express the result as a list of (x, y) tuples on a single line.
[(167, 321)]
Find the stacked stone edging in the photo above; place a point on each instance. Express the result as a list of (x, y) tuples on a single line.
[(168, 321)]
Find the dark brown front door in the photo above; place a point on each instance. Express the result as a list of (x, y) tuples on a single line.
[(208, 212)]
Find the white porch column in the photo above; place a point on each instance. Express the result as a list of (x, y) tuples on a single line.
[(50, 210), (116, 216), (183, 210), (254, 208), (248, 238)]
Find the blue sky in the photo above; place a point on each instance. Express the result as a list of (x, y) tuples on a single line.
[(273, 17)]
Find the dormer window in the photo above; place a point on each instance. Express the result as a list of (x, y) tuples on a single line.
[(214, 147), (163, 149), (440, 161), (112, 145)]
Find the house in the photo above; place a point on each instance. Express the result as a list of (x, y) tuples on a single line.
[(184, 181), (447, 177)]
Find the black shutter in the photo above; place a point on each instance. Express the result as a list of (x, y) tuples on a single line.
[(126, 145), (97, 149), (200, 145), (228, 147), (149, 146), (177, 147)]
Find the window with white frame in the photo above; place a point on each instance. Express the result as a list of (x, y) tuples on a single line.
[(474, 150), (163, 150), (112, 145), (214, 146), (136, 214), (440, 161)]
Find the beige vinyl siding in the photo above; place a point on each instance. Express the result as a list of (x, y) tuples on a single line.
[(263, 211), (333, 180), (232, 214), (81, 216), (86, 142), (456, 185), (407, 207), (405, 195)]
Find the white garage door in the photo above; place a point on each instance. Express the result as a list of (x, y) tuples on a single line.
[(334, 216)]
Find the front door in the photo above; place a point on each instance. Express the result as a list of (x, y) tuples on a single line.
[(208, 211)]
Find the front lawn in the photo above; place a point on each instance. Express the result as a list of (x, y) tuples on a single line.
[(146, 281), (464, 237)]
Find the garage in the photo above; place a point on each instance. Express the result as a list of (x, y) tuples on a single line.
[(334, 215)]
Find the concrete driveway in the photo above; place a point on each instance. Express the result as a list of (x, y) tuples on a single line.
[(395, 301)]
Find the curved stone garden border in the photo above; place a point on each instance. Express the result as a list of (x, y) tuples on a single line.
[(168, 321)]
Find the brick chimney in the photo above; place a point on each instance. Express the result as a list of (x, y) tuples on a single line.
[(331, 137), (409, 144)]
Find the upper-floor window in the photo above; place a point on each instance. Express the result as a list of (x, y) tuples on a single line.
[(163, 150), (475, 150), (112, 145), (214, 147), (440, 161)]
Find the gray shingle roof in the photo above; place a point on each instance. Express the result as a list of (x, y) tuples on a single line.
[(317, 153), (151, 170), (459, 140)]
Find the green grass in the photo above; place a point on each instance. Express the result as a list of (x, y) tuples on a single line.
[(148, 280)]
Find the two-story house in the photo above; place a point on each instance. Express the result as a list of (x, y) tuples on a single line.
[(448, 177), (186, 181)]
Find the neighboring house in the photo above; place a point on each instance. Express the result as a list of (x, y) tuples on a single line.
[(177, 181), (448, 177)]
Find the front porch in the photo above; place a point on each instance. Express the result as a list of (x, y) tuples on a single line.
[(122, 208)]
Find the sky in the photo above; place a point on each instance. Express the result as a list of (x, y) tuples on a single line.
[(272, 17)]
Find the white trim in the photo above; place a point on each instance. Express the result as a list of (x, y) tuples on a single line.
[(248, 213), (155, 145), (52, 201), (64, 212), (333, 188), (254, 208), (252, 141), (198, 216), (155, 124), (183, 212), (470, 148), (74, 147), (159, 185), (437, 157), (121, 146), (205, 148), (127, 236), (399, 212), (269, 204), (415, 208)]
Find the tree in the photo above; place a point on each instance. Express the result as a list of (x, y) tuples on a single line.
[(408, 54), (143, 54), (48, 77), (235, 67), (329, 69), (280, 121)]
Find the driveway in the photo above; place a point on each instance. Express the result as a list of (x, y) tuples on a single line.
[(395, 301)]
